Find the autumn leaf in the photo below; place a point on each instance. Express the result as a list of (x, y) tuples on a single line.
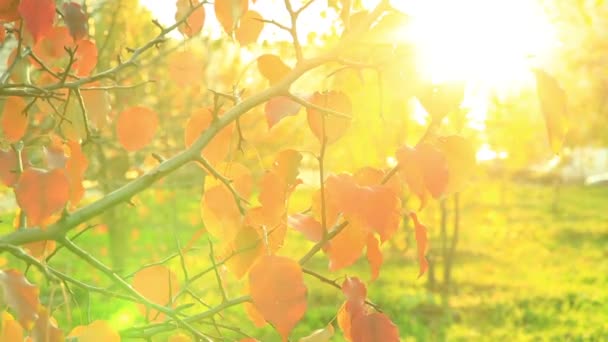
[(218, 148), (228, 13), (329, 127), (86, 57), (96, 331), (14, 118), (136, 127), (75, 19), (278, 108), (21, 296), (346, 247), (320, 335), (158, 284), (40, 249), (374, 256), (51, 48), (9, 10), (421, 243), (244, 251), (374, 326), (553, 103), (41, 194), (10, 330), (306, 225), (272, 68), (250, 27), (97, 104), (38, 16), (76, 167), (194, 24), (9, 164), (278, 292), (460, 157), (344, 321), (425, 170)]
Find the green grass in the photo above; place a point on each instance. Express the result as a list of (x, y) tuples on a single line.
[(524, 270)]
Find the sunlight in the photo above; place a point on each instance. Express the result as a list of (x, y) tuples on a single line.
[(489, 42)]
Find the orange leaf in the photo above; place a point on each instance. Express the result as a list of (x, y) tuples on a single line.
[(136, 127), (346, 247), (97, 103), (344, 320), (278, 292), (372, 327), (40, 249), (75, 19), (41, 194), (374, 255), (421, 243), (38, 16), (218, 207), (51, 47), (250, 27), (329, 127), (554, 107), (2, 33), (425, 170), (14, 119), (75, 167), (279, 107), (254, 315), (272, 68), (306, 225), (196, 20), (157, 283), (9, 165), (97, 331), (10, 330), (272, 225), (228, 12), (9, 10), (86, 57), (218, 148), (21, 296), (245, 249)]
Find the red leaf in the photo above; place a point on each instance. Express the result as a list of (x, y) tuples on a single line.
[(278, 292), (374, 255), (329, 127), (38, 16), (372, 327), (421, 243), (136, 127), (21, 296), (354, 290), (306, 225), (41, 194), (279, 107), (75, 19), (86, 57)]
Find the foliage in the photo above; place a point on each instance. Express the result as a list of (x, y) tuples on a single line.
[(90, 99)]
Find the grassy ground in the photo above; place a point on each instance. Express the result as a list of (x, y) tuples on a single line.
[(525, 269)]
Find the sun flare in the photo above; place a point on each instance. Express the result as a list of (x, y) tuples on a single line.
[(489, 42)]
